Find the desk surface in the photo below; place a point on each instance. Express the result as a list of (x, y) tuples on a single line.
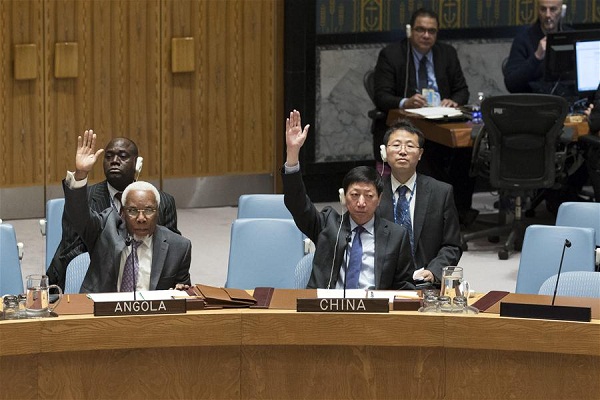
[(246, 353), (458, 134)]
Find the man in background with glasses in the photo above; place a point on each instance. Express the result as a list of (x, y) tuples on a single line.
[(423, 205), (128, 249), (403, 71)]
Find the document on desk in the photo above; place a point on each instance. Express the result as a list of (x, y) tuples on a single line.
[(435, 112), (364, 294), (140, 295)]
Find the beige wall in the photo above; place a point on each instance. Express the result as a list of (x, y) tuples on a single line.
[(219, 119)]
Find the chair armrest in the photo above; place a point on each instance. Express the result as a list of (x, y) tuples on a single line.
[(20, 250), (43, 226), (376, 114)]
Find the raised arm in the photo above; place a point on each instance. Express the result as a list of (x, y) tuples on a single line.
[(86, 155), (295, 137)]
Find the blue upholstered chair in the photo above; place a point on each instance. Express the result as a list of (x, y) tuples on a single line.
[(51, 227), (573, 284), (76, 271), (303, 270), (542, 250), (11, 278), (580, 214), (264, 252), (262, 206)]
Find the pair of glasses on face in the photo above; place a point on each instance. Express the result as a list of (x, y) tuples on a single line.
[(421, 31), (134, 212), (409, 147)]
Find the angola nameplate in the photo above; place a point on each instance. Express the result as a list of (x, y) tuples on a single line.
[(343, 305), (139, 307)]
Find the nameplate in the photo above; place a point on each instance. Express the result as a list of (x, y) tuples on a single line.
[(139, 307), (343, 305)]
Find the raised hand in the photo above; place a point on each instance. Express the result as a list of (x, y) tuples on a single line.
[(86, 155), (294, 136)]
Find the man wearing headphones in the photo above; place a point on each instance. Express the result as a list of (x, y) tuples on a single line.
[(404, 69), (431, 215), (375, 252), (524, 70), (119, 162)]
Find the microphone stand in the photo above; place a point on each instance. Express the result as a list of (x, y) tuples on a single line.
[(545, 311), (348, 238)]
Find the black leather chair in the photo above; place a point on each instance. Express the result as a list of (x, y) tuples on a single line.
[(374, 114), (518, 150)]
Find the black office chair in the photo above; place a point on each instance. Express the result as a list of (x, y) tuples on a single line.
[(518, 150), (374, 114)]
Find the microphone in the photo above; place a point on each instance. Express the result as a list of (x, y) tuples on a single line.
[(348, 239), (567, 244), (128, 240), (408, 34)]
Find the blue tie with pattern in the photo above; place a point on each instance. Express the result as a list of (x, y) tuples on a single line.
[(403, 214), (423, 79), (355, 263), (132, 266)]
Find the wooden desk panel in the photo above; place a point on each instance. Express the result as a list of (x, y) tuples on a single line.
[(458, 134), (284, 354)]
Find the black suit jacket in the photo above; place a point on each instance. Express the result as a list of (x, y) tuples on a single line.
[(390, 75), (594, 119), (393, 262), (435, 226), (104, 236), (98, 199)]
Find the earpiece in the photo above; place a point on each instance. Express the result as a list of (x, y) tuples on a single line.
[(383, 153), (139, 162), (342, 197), (409, 30), (563, 11)]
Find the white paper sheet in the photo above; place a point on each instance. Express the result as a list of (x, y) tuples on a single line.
[(140, 295), (435, 112)]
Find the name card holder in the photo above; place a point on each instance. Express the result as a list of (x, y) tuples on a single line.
[(544, 311), (343, 305), (139, 307)]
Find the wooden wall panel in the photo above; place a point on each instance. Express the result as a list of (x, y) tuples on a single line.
[(221, 119), (21, 101), (117, 91)]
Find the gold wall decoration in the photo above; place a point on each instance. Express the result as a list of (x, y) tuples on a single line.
[(66, 60), (25, 62)]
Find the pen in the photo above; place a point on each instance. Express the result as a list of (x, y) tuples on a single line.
[(68, 299)]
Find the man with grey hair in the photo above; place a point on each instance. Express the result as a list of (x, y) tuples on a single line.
[(129, 251)]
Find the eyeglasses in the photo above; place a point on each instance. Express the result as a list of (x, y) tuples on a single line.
[(134, 212), (421, 31), (409, 147)]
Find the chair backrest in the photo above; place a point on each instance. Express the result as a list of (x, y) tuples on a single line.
[(11, 277), (76, 271), (303, 270), (369, 83), (262, 206), (264, 252), (523, 130), (573, 284), (54, 212), (542, 251), (580, 214)]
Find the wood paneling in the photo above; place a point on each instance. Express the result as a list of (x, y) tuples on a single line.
[(117, 92), (221, 119), (21, 101)]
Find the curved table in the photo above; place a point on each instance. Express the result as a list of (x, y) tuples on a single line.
[(245, 353)]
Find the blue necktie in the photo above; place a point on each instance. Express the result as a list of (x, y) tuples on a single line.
[(403, 214), (131, 269), (355, 263), (423, 80)]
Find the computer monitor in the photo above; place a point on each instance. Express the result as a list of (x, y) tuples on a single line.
[(587, 60), (560, 63)]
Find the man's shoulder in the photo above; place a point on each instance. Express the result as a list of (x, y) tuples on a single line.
[(166, 196), (433, 183), (171, 237), (98, 188)]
